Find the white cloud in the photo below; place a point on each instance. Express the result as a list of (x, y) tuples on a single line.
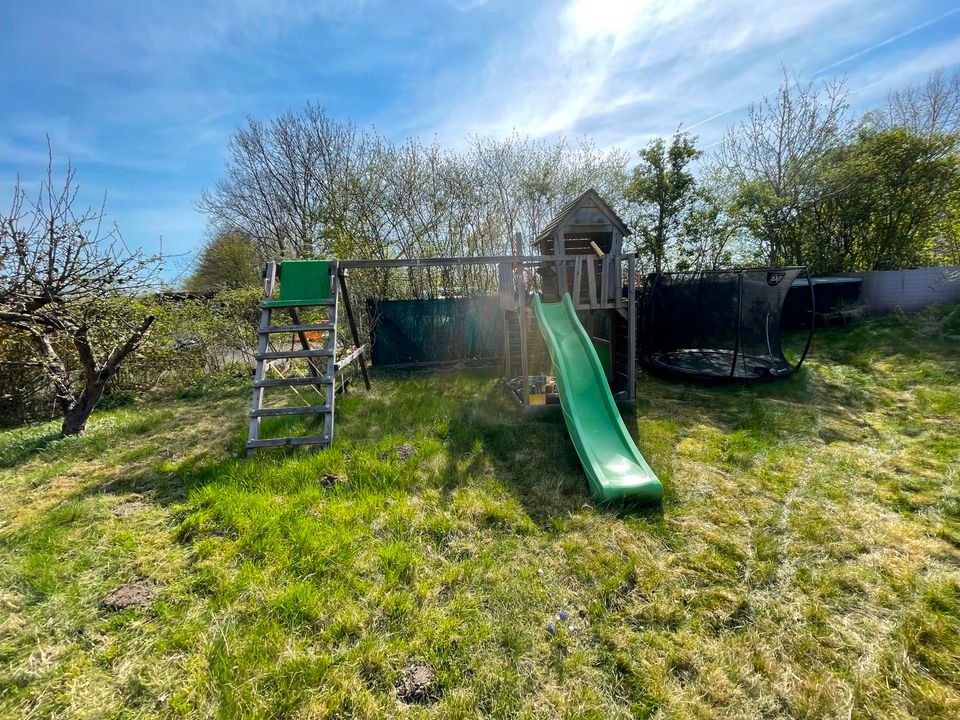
[(625, 71)]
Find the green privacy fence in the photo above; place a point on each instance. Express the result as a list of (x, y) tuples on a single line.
[(435, 331)]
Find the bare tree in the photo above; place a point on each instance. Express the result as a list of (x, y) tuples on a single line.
[(286, 182), (66, 284), (774, 156), (928, 109), (304, 184)]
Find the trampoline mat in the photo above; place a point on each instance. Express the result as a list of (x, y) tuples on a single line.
[(716, 363)]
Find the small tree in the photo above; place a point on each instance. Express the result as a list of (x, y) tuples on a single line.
[(228, 261), (662, 188), (886, 203), (66, 284)]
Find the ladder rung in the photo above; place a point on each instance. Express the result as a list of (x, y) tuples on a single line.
[(284, 354), (317, 327), (272, 304), (287, 382), (283, 442), (299, 410)]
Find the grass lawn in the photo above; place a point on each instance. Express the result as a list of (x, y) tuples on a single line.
[(805, 562)]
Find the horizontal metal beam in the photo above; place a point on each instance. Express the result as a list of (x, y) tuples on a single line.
[(452, 261)]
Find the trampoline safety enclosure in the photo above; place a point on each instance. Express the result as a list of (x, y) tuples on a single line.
[(719, 323)]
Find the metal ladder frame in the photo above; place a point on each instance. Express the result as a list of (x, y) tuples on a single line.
[(325, 378)]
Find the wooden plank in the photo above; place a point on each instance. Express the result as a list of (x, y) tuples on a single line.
[(592, 281), (357, 353), (506, 347), (308, 327), (285, 442), (605, 282), (522, 315), (560, 247), (291, 354), (577, 279), (505, 286), (292, 381), (298, 410)]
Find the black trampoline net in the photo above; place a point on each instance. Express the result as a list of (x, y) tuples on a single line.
[(717, 324)]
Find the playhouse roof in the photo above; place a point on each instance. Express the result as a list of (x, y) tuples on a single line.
[(570, 209)]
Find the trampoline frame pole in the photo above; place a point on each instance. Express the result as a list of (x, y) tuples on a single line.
[(736, 337), (813, 319)]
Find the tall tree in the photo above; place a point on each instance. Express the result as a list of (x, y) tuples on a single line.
[(886, 202), (66, 285), (662, 188), (774, 156)]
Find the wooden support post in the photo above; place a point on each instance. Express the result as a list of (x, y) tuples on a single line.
[(577, 279), (631, 328), (592, 281), (522, 314), (560, 249), (506, 347), (348, 306), (328, 419), (605, 282)]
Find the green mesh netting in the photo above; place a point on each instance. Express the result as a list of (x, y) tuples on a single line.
[(435, 331)]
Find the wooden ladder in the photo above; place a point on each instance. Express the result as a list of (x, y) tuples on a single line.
[(322, 363)]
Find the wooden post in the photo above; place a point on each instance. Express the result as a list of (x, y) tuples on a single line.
[(592, 280), (522, 314), (560, 250), (332, 359), (506, 347), (605, 282), (631, 328), (348, 306), (577, 279)]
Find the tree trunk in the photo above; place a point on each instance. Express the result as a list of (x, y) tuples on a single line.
[(75, 419)]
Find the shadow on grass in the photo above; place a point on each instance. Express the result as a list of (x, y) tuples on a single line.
[(533, 457)]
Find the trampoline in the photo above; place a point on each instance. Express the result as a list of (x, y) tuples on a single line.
[(719, 324)]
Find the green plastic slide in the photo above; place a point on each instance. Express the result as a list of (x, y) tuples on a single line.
[(615, 468)]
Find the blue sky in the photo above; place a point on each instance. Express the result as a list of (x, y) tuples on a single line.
[(142, 96)]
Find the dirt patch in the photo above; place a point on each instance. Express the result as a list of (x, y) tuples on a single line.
[(418, 685), (138, 593), (129, 508), (328, 482), (403, 452)]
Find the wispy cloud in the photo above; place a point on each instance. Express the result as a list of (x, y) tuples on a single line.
[(627, 71)]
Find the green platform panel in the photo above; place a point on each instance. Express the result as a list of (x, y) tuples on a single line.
[(614, 466), (303, 282)]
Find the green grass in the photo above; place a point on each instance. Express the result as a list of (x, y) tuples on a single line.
[(805, 563)]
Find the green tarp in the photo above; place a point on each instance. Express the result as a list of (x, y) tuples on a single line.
[(435, 331)]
